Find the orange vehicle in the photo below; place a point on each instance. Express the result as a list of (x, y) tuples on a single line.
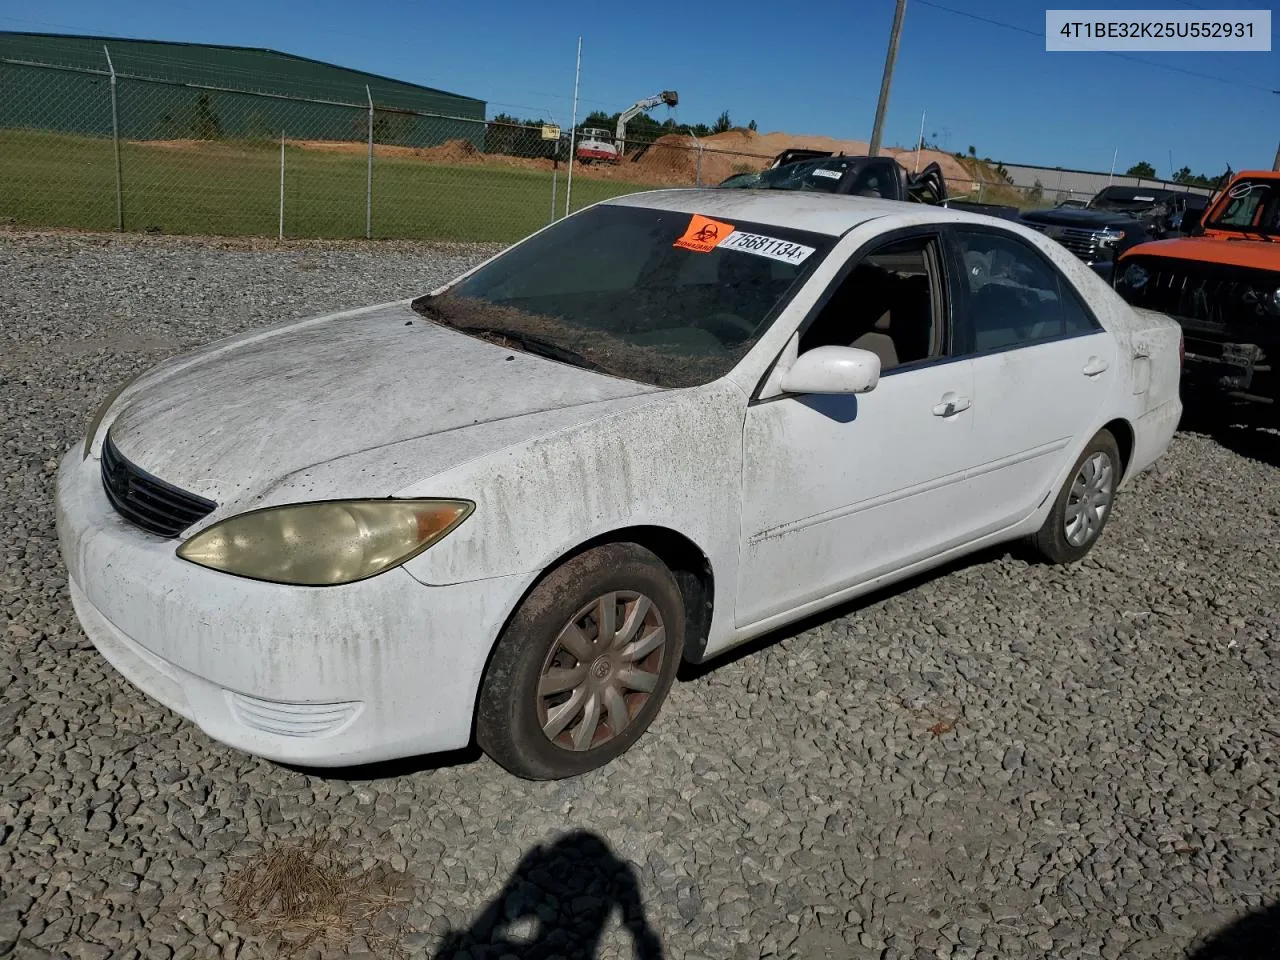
[(1221, 282)]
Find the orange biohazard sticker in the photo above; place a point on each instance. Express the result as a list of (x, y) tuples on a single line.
[(703, 234)]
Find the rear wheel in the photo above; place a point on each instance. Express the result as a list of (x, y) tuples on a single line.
[(1084, 504), (583, 668)]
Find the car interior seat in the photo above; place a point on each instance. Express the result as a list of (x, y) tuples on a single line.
[(903, 332)]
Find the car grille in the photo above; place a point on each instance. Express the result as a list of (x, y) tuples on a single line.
[(1084, 243), (1208, 294), (147, 501)]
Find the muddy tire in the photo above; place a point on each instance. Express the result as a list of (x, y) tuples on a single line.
[(584, 665), (1083, 505)]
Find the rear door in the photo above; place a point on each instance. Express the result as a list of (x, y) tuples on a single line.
[(1043, 367)]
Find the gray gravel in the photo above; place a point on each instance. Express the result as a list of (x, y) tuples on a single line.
[(1000, 761)]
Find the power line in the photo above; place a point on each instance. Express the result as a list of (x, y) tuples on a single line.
[(1110, 53)]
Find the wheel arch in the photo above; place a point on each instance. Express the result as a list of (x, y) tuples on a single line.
[(687, 561), (1122, 430)]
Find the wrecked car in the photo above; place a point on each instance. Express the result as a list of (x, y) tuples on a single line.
[(506, 510), (1222, 284), (863, 176)]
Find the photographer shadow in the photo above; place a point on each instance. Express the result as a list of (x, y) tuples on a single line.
[(1255, 936), (558, 903)]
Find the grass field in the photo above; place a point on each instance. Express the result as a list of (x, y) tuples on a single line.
[(58, 180)]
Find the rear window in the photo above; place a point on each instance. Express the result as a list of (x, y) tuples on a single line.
[(666, 298)]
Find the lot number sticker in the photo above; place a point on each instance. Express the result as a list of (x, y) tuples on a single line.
[(769, 247)]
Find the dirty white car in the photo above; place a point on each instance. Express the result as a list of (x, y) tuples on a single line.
[(505, 511)]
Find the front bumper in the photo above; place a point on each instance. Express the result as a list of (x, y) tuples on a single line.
[(318, 676)]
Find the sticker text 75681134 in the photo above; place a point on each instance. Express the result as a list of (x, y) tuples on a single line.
[(763, 246)]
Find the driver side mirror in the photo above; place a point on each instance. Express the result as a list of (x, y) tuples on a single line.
[(833, 370)]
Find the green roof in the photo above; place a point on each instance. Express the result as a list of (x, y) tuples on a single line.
[(252, 69)]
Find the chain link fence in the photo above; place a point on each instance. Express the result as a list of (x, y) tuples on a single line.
[(101, 150)]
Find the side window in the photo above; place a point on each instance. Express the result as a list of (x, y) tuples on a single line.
[(1076, 318), (889, 304), (1241, 211), (1016, 297)]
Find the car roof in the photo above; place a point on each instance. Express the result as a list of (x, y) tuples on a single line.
[(824, 213)]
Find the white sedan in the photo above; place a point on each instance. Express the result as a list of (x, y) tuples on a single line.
[(505, 511)]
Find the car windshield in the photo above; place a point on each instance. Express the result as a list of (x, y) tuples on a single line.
[(822, 175), (1249, 206), (651, 295), (1130, 199)]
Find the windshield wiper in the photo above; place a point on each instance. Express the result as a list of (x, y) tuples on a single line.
[(530, 343), (536, 345)]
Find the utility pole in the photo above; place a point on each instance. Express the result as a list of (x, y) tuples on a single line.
[(1276, 164), (883, 106)]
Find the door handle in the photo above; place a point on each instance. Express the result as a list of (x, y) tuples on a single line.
[(1095, 366), (950, 406)]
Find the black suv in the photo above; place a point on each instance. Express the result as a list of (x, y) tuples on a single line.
[(1116, 219)]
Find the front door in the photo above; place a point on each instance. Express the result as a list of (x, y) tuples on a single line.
[(840, 489)]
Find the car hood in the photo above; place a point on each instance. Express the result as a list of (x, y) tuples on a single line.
[(241, 417), (1232, 252), (1085, 219)]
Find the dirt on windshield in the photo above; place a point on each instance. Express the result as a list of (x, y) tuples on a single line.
[(611, 353)]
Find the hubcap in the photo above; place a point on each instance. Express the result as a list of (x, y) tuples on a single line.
[(601, 670), (1089, 499)]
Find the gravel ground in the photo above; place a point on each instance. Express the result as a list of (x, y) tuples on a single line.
[(1002, 760)]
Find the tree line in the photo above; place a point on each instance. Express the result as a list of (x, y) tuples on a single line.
[(1184, 176)]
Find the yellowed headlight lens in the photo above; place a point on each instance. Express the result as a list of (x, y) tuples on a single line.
[(327, 543)]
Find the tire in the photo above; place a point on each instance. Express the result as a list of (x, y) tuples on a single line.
[(1054, 542), (603, 680)]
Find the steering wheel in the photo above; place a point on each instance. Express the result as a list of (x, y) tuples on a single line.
[(729, 327)]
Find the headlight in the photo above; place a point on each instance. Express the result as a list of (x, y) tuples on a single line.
[(324, 544), (1134, 277), (96, 422), (1272, 303), (1110, 237)]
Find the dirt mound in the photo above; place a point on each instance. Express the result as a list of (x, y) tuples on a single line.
[(452, 151)]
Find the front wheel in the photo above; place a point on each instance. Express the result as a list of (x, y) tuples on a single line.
[(1084, 504), (584, 666)]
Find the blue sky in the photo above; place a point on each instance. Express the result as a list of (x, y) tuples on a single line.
[(810, 67)]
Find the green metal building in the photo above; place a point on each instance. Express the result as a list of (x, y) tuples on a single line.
[(171, 91)]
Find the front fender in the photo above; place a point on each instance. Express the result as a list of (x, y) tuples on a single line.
[(674, 462)]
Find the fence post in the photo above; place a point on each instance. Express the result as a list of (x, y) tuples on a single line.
[(368, 183), (115, 142), (281, 236), (555, 179), (697, 168)]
